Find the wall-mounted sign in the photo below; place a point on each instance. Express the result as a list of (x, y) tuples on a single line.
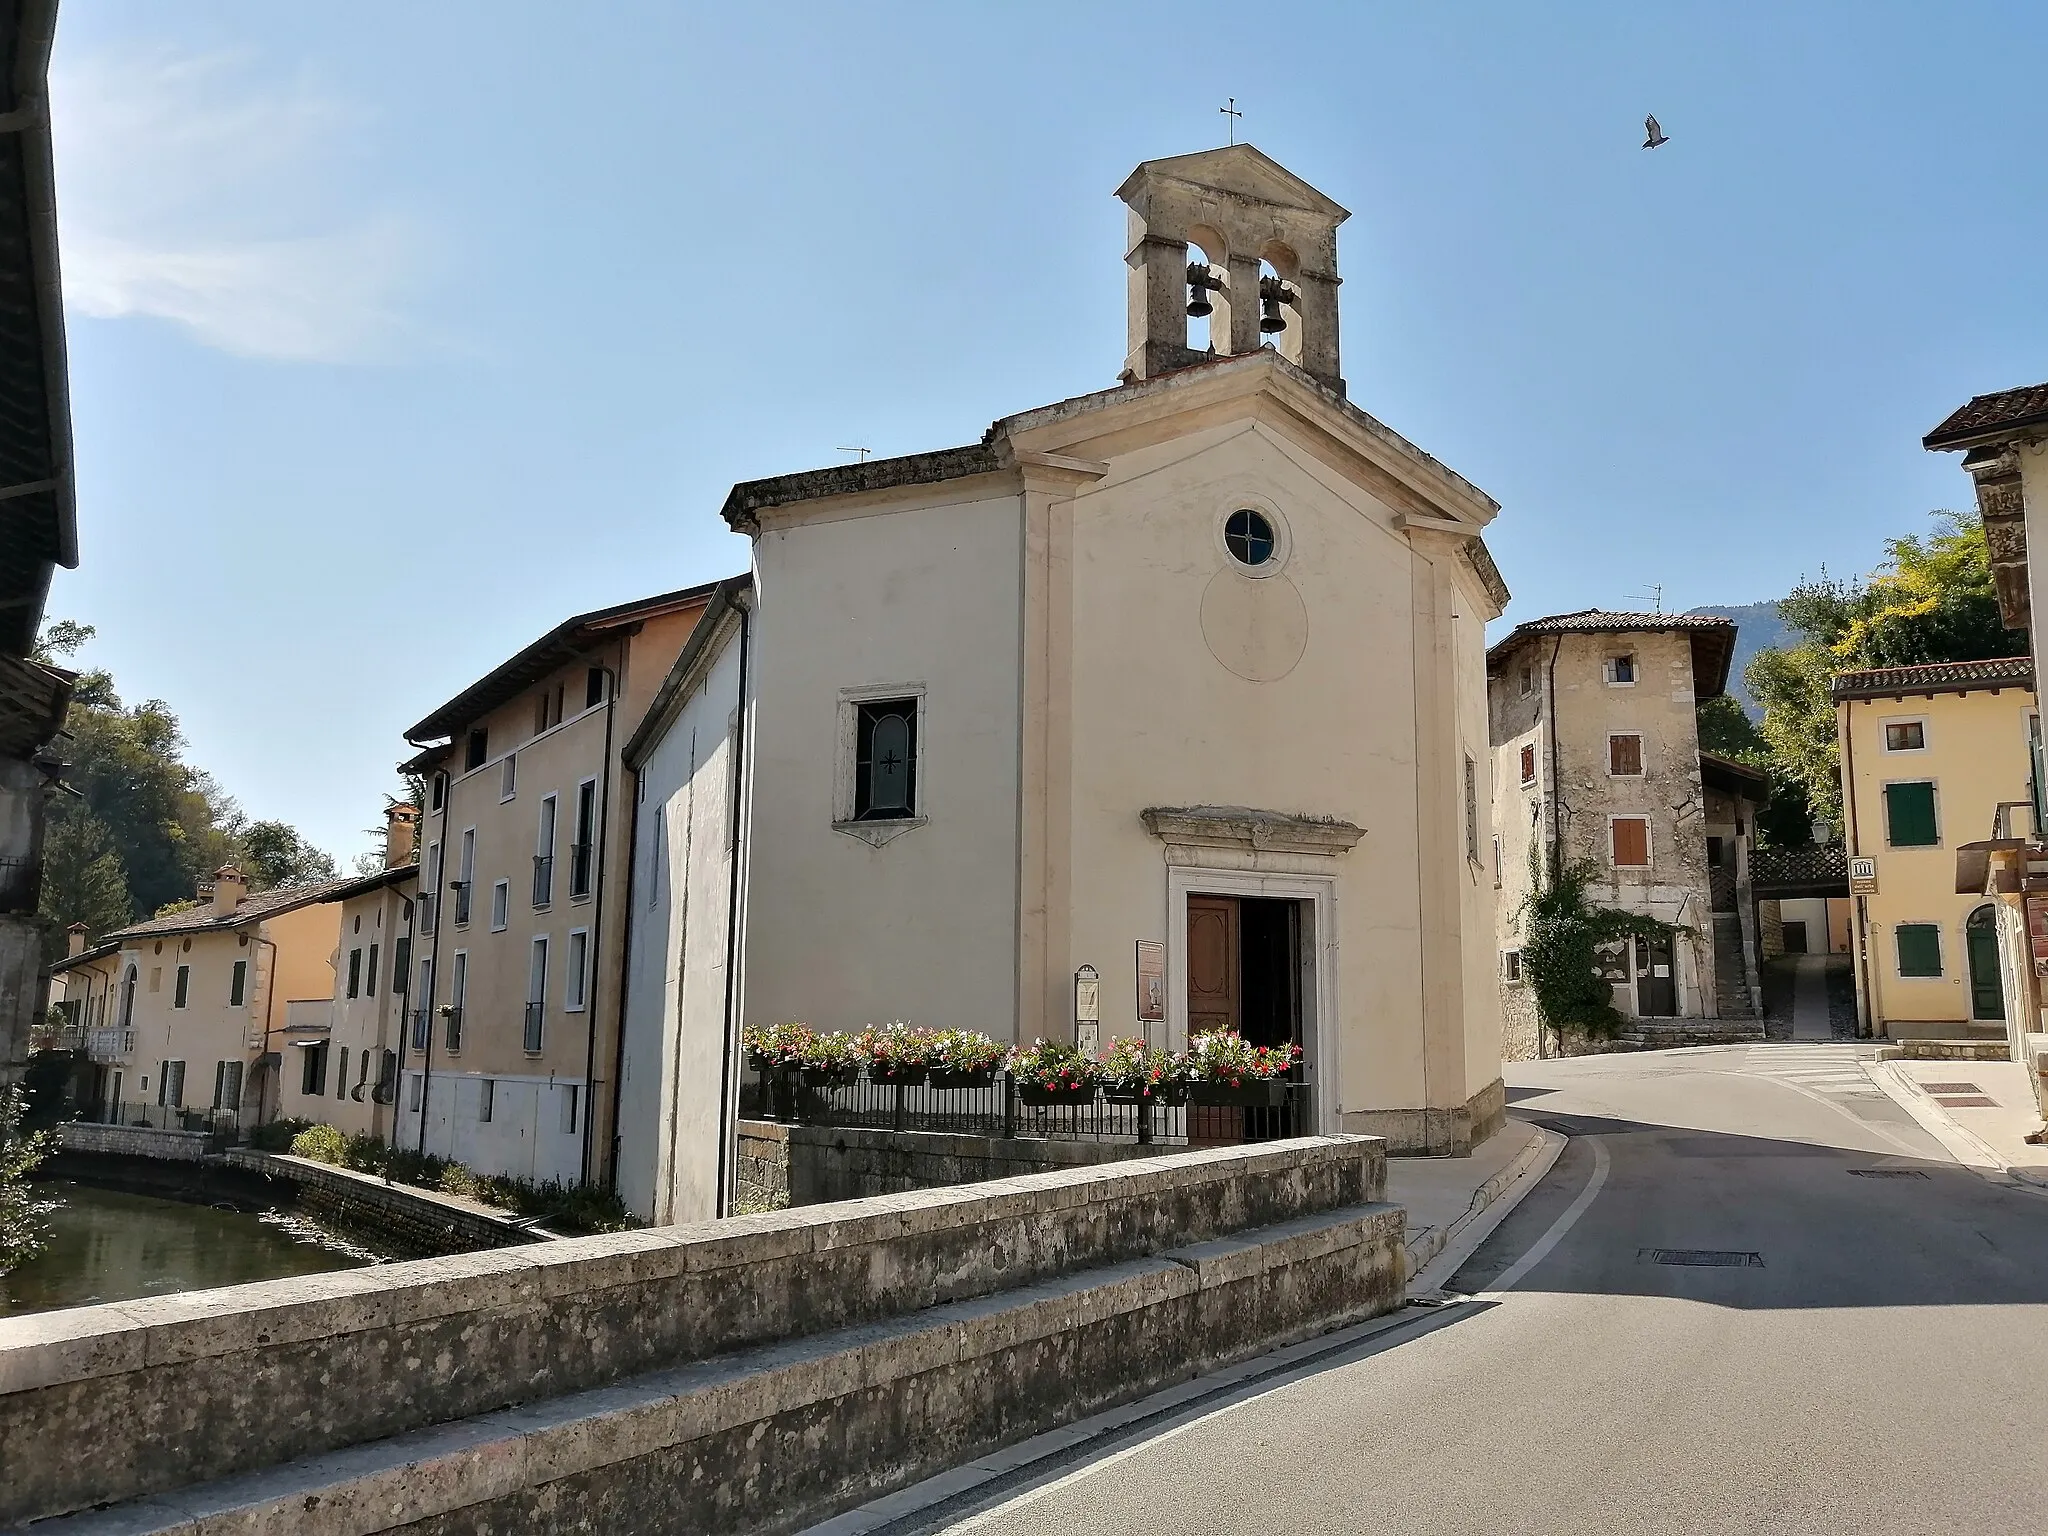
[(1087, 1009), (1151, 981), (1863, 877)]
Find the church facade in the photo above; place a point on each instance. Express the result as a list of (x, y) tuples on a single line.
[(1191, 671)]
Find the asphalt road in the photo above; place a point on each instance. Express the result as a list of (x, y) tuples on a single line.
[(1880, 1365)]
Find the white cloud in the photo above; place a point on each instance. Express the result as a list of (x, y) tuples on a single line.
[(189, 190)]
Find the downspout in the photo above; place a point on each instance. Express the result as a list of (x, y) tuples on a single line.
[(596, 961), (625, 976), (269, 994), (433, 958), (728, 1083), (403, 989)]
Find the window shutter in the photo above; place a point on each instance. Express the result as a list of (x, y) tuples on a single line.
[(1528, 765), (1909, 815), (1919, 949), (1625, 756), (1631, 842)]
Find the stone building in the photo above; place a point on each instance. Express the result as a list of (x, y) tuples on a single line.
[(1193, 666), (1596, 757)]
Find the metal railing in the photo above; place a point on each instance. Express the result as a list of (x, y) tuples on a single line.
[(422, 1028), (171, 1117), (543, 879), (579, 868), (461, 889), (453, 1015), (1000, 1109)]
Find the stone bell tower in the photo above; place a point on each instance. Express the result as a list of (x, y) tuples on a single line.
[(1240, 208)]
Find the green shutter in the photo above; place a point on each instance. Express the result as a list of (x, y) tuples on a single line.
[(1909, 815), (1919, 949)]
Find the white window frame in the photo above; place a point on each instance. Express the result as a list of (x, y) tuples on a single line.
[(877, 833), (1884, 739), (508, 777), (1635, 665), (536, 994), (1642, 757), (1649, 840), (486, 1099), (596, 833), (1511, 967), (571, 1119), (465, 873), (547, 831), (501, 905), (574, 975), (458, 997)]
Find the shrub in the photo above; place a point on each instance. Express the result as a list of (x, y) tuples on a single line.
[(321, 1143), (22, 1235), (278, 1135)]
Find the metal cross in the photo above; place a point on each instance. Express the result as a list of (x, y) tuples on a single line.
[(891, 761), (1233, 114)]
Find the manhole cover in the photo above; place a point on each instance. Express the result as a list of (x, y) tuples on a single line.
[(1703, 1258), (1887, 1173), (1966, 1101), (1950, 1088)]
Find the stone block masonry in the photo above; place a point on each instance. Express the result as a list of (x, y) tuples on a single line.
[(877, 1337), (811, 1164), (133, 1141), (396, 1218)]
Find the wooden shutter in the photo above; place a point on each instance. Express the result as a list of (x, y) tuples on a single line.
[(1631, 842), (1625, 756), (1528, 765), (1919, 949), (1909, 815)]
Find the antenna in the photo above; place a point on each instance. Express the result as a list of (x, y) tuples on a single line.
[(863, 452), (1654, 596)]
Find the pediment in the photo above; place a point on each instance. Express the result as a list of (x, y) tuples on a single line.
[(1241, 170)]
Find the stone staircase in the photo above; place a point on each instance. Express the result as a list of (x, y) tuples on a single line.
[(1731, 983)]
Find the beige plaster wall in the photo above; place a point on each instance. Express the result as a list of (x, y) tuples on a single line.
[(842, 933), (1976, 756)]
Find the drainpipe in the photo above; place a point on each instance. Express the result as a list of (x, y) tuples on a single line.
[(434, 957), (728, 1075), (404, 991), (596, 959), (625, 978)]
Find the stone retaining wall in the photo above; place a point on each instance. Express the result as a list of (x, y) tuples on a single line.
[(120, 1401), (812, 1164), (133, 1141), (395, 1218)]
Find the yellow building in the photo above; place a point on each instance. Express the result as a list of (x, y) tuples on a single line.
[(184, 1014), (1929, 754)]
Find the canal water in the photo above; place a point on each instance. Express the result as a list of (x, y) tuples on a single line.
[(108, 1245)]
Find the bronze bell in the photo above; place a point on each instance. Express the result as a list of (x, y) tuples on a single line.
[(1272, 294), (1199, 283)]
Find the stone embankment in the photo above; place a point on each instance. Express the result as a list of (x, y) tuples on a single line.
[(755, 1374), (811, 1164)]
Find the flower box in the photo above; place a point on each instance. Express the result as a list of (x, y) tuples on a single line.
[(831, 1077), (1040, 1095), (1249, 1095), (1163, 1095), (897, 1077), (985, 1078)]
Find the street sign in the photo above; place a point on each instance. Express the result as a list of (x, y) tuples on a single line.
[(1863, 877)]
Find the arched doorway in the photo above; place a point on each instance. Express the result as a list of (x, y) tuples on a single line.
[(1987, 992)]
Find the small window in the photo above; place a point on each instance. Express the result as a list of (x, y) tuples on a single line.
[(401, 963), (458, 992), (536, 993), (238, 984), (885, 760), (1625, 756), (1511, 965), (1528, 680), (438, 792), (570, 1095), (355, 972), (593, 687), (1248, 535), (1909, 815), (313, 1070), (1471, 810), (478, 749), (412, 1092), (1496, 860), (1919, 949), (1621, 670), (370, 973), (156, 978), (501, 900), (576, 981), (341, 1075), (1631, 841), (486, 1100), (583, 852), (1529, 765), (1905, 736), (508, 777), (183, 986)]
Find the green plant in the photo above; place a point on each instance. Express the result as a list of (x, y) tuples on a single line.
[(1224, 1056), (1562, 934), (1136, 1068), (21, 1232), (837, 1052), (1053, 1064), (965, 1050), (278, 1135), (898, 1049), (777, 1045), (321, 1143)]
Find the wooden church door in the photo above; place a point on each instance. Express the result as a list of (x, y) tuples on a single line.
[(1215, 987)]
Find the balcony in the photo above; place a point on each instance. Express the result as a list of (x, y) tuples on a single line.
[(543, 879), (579, 868), (307, 1017), (461, 889)]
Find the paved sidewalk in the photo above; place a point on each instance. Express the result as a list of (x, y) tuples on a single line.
[(1444, 1195), (1981, 1111), (1810, 1000)]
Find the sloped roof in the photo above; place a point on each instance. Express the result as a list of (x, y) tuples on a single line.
[(1243, 169), (1713, 638), (1994, 415), (260, 904), (1935, 677)]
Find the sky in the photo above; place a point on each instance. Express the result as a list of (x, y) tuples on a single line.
[(400, 332)]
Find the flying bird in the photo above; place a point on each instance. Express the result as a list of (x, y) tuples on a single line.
[(1656, 135)]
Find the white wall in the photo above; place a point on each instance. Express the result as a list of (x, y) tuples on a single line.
[(673, 1110), (525, 1138)]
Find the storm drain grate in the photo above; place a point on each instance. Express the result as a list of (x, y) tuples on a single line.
[(1887, 1173), (1932, 1088), (1703, 1258), (1966, 1101)]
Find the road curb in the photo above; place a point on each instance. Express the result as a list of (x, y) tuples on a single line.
[(1965, 1146), (1543, 1147)]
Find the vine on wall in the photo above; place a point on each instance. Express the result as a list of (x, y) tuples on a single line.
[(1562, 932)]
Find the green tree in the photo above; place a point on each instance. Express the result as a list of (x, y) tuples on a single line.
[(1727, 731), (1562, 933), (1931, 600), (274, 854), (83, 881)]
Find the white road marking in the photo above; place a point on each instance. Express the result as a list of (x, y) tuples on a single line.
[(1549, 1240)]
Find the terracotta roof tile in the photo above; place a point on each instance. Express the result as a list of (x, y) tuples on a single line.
[(1935, 677), (2006, 410)]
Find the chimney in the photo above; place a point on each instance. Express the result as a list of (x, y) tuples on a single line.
[(401, 834), (228, 890), (76, 945)]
